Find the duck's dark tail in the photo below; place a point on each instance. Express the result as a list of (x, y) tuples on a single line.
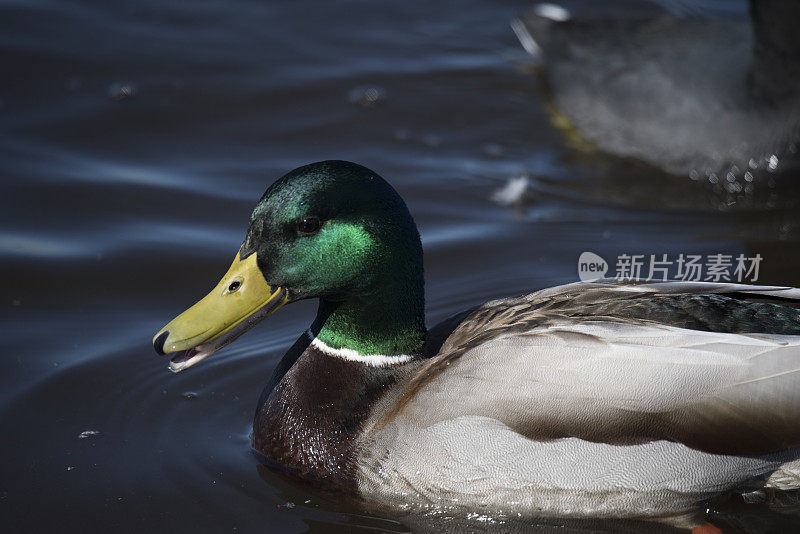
[(775, 72)]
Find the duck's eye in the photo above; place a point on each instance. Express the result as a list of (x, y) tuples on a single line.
[(235, 285), (309, 225)]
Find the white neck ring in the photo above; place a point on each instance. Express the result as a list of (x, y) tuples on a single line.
[(374, 360)]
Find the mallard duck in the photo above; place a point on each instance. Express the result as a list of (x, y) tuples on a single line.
[(602, 399)]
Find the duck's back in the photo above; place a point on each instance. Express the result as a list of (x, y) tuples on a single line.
[(597, 398)]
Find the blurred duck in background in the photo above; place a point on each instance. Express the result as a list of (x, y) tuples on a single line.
[(717, 99)]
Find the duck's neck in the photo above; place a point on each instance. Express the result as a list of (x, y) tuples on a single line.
[(388, 321)]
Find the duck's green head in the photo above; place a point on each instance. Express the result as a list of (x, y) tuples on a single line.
[(331, 230)]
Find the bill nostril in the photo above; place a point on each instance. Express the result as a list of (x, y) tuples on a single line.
[(158, 343)]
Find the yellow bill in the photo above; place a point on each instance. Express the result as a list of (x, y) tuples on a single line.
[(241, 299)]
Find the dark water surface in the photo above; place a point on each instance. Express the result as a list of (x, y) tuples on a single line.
[(135, 139)]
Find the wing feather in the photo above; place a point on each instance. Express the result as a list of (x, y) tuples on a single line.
[(592, 361)]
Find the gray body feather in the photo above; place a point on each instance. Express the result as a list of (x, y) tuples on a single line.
[(596, 399)]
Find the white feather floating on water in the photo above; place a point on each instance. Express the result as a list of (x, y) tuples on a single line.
[(513, 192)]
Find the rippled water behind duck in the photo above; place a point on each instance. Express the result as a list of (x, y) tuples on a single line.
[(134, 142)]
